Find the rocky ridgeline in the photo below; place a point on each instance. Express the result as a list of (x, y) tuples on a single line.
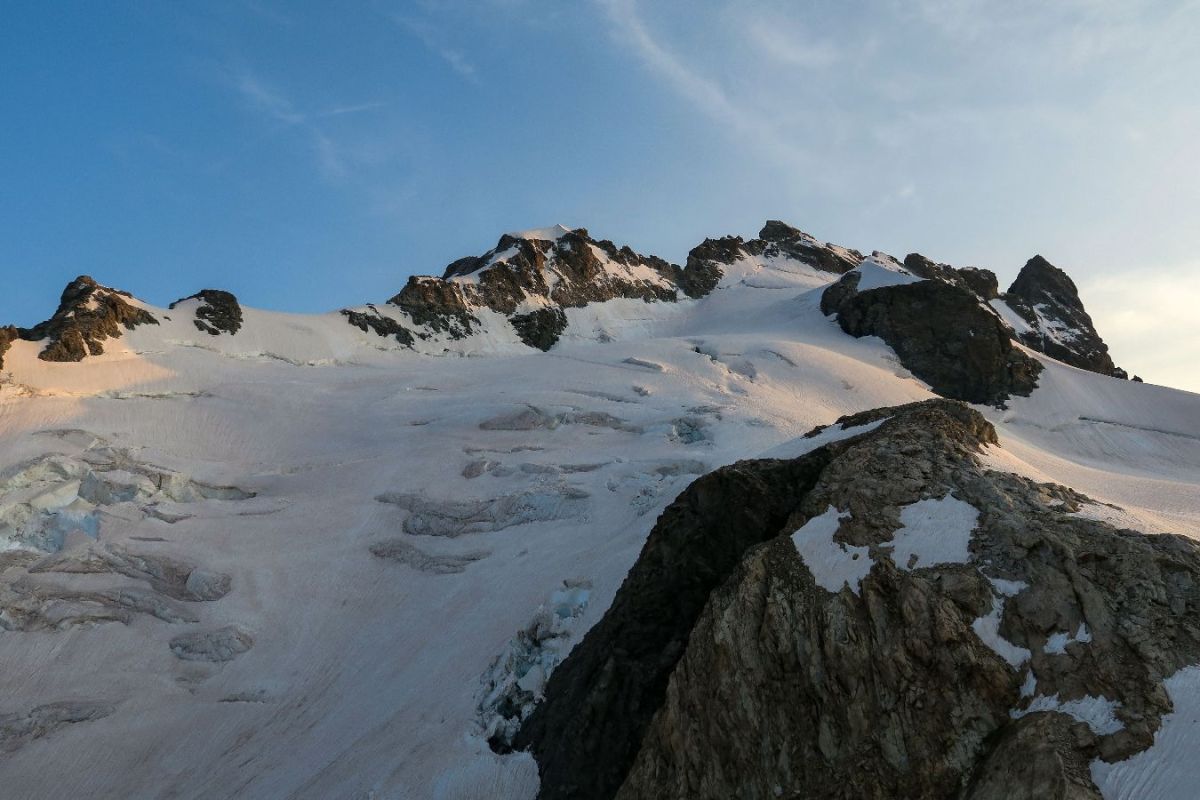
[(218, 312), (947, 329), (87, 315), (775, 240), (531, 278), (882, 617)]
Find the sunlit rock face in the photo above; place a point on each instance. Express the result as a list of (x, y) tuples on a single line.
[(87, 315)]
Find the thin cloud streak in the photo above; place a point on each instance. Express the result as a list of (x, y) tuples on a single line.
[(705, 94), (428, 35), (789, 46), (331, 157)]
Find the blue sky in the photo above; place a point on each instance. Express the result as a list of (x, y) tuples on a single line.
[(312, 155)]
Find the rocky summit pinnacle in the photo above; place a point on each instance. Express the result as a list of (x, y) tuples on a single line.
[(1047, 300)]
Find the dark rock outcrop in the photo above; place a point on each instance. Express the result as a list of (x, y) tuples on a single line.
[(704, 262), (567, 270), (780, 239), (379, 324), (540, 328), (218, 312), (981, 282), (941, 333), (775, 240), (1047, 299), (1015, 645), (87, 314), (8, 335), (437, 305)]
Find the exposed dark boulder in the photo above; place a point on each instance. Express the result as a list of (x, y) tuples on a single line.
[(540, 328), (996, 659), (379, 324), (1047, 299), (941, 333), (218, 312), (87, 314)]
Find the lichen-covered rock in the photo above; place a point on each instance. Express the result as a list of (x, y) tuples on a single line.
[(942, 334), (1047, 299), (87, 315), (883, 617), (218, 312), (540, 328)]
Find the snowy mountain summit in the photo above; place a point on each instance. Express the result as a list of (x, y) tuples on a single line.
[(563, 520)]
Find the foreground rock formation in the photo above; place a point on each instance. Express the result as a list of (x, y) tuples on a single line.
[(882, 617)]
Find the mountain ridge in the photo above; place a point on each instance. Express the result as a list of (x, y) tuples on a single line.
[(531, 277)]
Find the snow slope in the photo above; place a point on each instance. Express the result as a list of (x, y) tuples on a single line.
[(491, 473)]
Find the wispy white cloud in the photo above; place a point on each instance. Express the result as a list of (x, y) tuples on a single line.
[(430, 36), (267, 100), (787, 44), (333, 158), (704, 93)]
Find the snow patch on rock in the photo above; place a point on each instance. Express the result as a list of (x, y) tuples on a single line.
[(831, 563), (935, 531)]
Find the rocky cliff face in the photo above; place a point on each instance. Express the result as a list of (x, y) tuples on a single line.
[(87, 315), (883, 617), (1047, 300), (530, 277), (219, 312), (941, 332)]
